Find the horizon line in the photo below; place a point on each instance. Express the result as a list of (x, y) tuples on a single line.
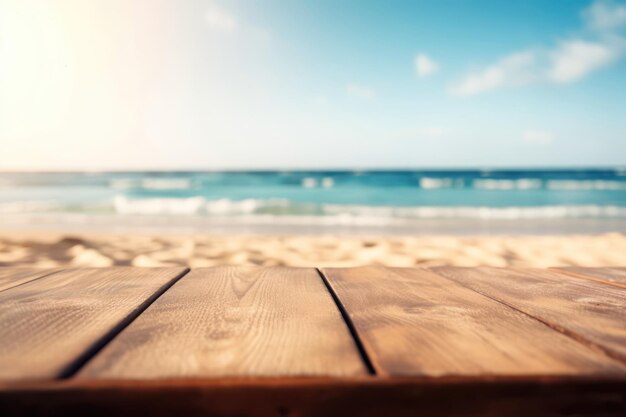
[(308, 169)]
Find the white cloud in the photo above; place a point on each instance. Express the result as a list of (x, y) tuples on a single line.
[(220, 19), (566, 62), (573, 60), (537, 137), (605, 15), (515, 69), (360, 91), (425, 66)]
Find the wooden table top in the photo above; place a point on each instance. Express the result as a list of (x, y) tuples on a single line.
[(305, 341)]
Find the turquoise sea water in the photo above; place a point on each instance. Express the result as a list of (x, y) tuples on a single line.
[(325, 197)]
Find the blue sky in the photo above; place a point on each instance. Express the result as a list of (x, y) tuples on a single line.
[(317, 84)]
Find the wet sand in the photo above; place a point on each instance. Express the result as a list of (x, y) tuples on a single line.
[(48, 249)]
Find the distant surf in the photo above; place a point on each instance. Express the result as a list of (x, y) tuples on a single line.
[(348, 198)]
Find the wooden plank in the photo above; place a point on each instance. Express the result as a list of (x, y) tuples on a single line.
[(12, 277), (327, 397), (613, 276), (414, 322), (590, 312), (235, 321), (47, 325)]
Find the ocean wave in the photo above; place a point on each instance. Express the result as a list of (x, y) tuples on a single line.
[(586, 185), (311, 182), (281, 207), (151, 206), (160, 184), (195, 205), (328, 182), (465, 212), (428, 183), (431, 183), (518, 184)]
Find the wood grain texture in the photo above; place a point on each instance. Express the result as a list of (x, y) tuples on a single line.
[(613, 276), (235, 321), (12, 277), (47, 324), (414, 322), (590, 312)]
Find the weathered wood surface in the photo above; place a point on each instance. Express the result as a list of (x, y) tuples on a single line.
[(235, 321), (12, 277), (321, 397), (277, 342), (47, 325), (592, 313), (614, 276), (415, 322)]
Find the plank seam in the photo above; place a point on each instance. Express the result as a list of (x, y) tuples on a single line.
[(556, 327), (75, 366), (37, 278), (350, 325), (572, 274)]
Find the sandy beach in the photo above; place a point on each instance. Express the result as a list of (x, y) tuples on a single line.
[(47, 249)]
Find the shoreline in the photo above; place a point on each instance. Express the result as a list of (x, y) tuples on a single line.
[(303, 225), (48, 249)]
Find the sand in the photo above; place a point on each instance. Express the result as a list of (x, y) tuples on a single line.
[(45, 249)]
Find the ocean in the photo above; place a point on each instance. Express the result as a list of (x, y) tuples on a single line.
[(368, 201)]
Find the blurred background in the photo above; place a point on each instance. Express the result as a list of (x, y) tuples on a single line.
[(313, 132)]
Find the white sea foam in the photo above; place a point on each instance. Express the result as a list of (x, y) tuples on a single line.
[(279, 207), (586, 185), (161, 184), (328, 182), (428, 183), (225, 206), (309, 182), (192, 205), (519, 184), (528, 183), (166, 183), (510, 213)]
